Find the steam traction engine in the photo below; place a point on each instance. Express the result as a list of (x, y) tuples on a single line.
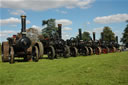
[(116, 44), (95, 45), (21, 46), (81, 45), (109, 46), (72, 45), (55, 46), (77, 45), (104, 45)]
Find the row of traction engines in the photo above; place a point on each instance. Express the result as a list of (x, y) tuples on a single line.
[(80, 47), (21, 45)]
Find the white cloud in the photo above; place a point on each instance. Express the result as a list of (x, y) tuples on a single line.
[(85, 3), (6, 33), (11, 21), (44, 4), (62, 12), (66, 35), (89, 31), (38, 28), (111, 19), (98, 30), (67, 29), (17, 12), (34, 26), (13, 25), (64, 22)]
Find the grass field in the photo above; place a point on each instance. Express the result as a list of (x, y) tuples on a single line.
[(105, 69)]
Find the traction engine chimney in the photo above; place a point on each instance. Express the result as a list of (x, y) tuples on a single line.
[(23, 25), (80, 34), (59, 30), (94, 36)]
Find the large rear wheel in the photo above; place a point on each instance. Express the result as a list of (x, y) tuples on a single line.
[(74, 51), (35, 54), (66, 52), (104, 50), (41, 49), (98, 51), (114, 49), (51, 52), (90, 51), (5, 51), (107, 50), (85, 51)]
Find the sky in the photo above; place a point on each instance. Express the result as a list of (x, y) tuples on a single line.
[(89, 15)]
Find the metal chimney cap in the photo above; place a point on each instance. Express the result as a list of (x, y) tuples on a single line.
[(23, 16), (59, 24)]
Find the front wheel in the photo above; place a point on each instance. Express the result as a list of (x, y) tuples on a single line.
[(11, 55)]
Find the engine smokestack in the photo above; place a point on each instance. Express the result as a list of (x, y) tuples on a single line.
[(94, 36), (23, 24), (59, 30), (80, 34)]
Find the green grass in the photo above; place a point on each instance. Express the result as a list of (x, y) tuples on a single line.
[(105, 69), (0, 48)]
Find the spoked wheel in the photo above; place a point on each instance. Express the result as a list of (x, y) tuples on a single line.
[(104, 50), (85, 51), (5, 52), (90, 50), (114, 49), (41, 49), (66, 52), (35, 54), (74, 51), (51, 52), (11, 55), (107, 50), (98, 50)]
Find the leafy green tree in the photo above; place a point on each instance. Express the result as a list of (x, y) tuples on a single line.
[(124, 39), (86, 36), (50, 30), (108, 34)]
